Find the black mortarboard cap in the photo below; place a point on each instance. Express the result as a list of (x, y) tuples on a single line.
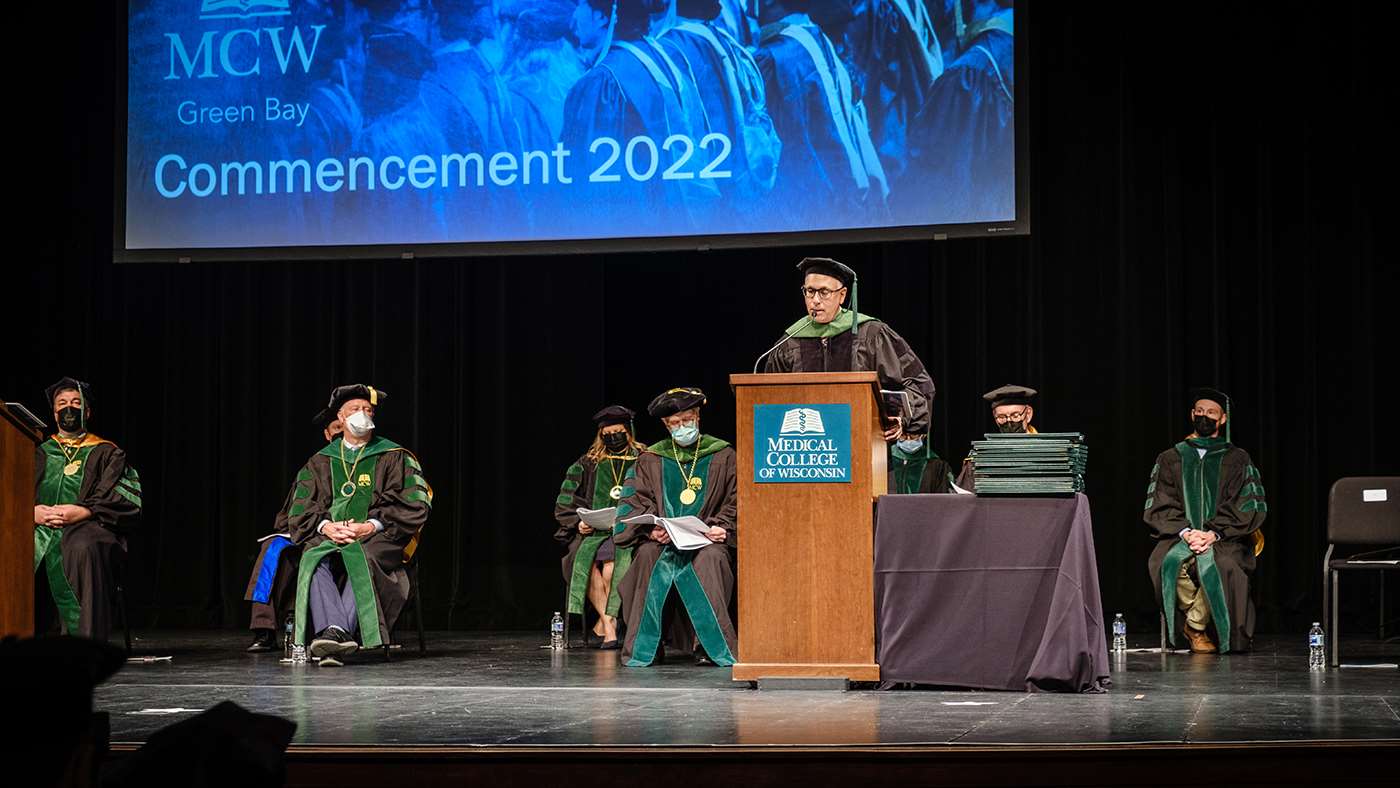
[(343, 394), (676, 400), (66, 383), (827, 267), (1207, 392), (1010, 395), (613, 414)]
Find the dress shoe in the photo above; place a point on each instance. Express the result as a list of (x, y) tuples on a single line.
[(333, 643), (610, 645), (263, 640), (1200, 641), (703, 660)]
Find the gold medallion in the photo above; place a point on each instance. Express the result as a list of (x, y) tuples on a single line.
[(347, 489), (696, 483), (687, 496), (615, 493), (72, 468)]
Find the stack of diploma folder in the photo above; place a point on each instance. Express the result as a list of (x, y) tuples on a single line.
[(1046, 463)]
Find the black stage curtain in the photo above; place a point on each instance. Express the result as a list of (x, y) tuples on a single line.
[(1208, 203)]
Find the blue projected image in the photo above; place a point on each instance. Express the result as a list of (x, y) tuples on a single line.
[(254, 123)]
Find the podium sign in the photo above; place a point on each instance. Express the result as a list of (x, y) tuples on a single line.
[(802, 443)]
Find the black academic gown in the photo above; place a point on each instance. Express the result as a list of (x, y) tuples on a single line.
[(646, 492), (880, 350), (400, 501), (923, 474), (92, 551), (1239, 512), (278, 558)]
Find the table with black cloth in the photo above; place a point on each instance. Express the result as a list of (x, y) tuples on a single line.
[(989, 593)]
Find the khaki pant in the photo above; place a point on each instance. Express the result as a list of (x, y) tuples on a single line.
[(1191, 598)]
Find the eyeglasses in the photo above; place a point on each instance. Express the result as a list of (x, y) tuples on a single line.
[(821, 294), (1016, 417)]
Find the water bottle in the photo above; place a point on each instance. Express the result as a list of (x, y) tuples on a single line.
[(298, 654), (556, 632), (1317, 647), (287, 639), (1120, 634)]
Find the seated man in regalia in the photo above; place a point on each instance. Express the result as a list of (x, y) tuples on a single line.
[(1205, 505), (687, 473), (357, 508)]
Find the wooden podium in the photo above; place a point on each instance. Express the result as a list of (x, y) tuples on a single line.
[(17, 442), (806, 549)]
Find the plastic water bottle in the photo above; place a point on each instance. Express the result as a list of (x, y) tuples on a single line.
[(556, 632), (1120, 634), (1317, 647), (298, 654), (287, 639)]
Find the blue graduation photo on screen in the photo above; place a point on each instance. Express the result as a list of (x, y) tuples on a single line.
[(305, 123)]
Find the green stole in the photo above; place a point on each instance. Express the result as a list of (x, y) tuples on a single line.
[(57, 488), (811, 329), (583, 559), (354, 508), (908, 469), (676, 567), (1200, 483)]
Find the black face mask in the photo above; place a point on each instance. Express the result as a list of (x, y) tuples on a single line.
[(1204, 426), (70, 419), (1011, 426), (615, 441)]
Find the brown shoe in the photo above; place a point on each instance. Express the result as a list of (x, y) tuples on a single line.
[(1200, 641)]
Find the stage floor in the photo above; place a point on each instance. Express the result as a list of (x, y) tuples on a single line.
[(503, 689), (494, 690)]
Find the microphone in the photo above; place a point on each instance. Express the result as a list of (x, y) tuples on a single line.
[(785, 338)]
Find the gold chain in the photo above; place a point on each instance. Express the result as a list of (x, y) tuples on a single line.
[(63, 447), (686, 477), (350, 470)]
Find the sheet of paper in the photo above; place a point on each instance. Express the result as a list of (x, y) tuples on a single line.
[(273, 535), (598, 519), (961, 491), (687, 533), (1374, 496)]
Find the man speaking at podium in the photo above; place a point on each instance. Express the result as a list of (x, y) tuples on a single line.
[(824, 341)]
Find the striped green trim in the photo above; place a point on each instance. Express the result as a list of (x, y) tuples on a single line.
[(623, 509), (414, 480), (305, 475), (575, 470), (1252, 488), (1254, 505), (569, 485), (410, 462), (1151, 488), (130, 496), (297, 510), (564, 500), (301, 492), (417, 494), (132, 479), (1252, 472), (1147, 505)]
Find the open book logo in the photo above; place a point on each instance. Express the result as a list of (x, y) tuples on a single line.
[(242, 9), (802, 421)]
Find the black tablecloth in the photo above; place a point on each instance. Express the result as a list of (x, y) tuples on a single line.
[(992, 593)]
